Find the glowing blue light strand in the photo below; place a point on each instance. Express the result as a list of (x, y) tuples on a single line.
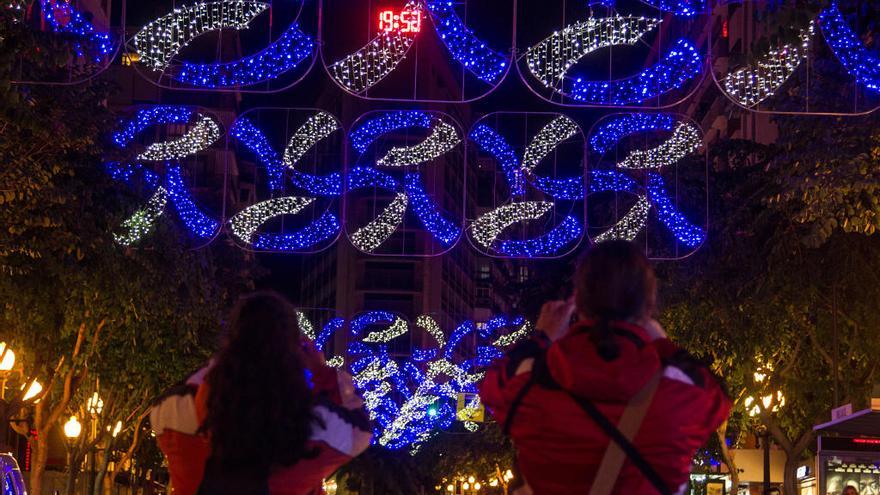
[(365, 177), (681, 8), (458, 334), (323, 229), (329, 329), (256, 141), (198, 223), (492, 143), (131, 173), (445, 231), (861, 63), (361, 322), (612, 130), (148, 117), (610, 181), (567, 189), (487, 64), (681, 63), (687, 233), (367, 133), (548, 244), (77, 25), (283, 55)]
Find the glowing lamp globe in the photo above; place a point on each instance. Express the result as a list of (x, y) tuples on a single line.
[(72, 428), (8, 360), (32, 391)]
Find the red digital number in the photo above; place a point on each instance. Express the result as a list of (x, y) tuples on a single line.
[(408, 21)]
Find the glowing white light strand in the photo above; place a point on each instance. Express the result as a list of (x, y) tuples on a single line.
[(369, 65), (751, 85), (547, 139), (396, 329), (203, 134), (630, 225), (486, 229), (336, 362), (244, 224), (505, 340), (428, 324), (685, 140), (305, 326), (142, 221), (442, 139), (550, 59), (372, 235), (160, 40), (316, 128)]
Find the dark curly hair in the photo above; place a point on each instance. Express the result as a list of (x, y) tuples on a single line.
[(259, 401)]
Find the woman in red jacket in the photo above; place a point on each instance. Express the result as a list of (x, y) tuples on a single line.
[(609, 404), (274, 418)]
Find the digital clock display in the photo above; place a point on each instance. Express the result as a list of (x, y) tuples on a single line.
[(406, 21)]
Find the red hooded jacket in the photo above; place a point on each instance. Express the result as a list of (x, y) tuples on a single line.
[(559, 447)]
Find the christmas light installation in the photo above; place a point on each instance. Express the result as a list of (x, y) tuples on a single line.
[(159, 41), (687, 233), (610, 131), (443, 138), (364, 68), (375, 233), (753, 84), (681, 63), (486, 229), (550, 59), (547, 139), (142, 221), (465, 47), (407, 397), (204, 133), (283, 55), (549, 244), (324, 228), (443, 229), (305, 326), (312, 131), (63, 17), (245, 223), (492, 143), (630, 225), (858, 61), (367, 133), (199, 224), (681, 8), (317, 127), (685, 140)]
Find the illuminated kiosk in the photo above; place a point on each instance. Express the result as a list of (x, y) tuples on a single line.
[(849, 452)]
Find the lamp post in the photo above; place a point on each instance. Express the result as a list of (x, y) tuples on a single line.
[(94, 405), (72, 430), (768, 404)]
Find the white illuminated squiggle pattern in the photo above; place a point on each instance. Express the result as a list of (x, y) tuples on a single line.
[(630, 225), (369, 65), (751, 85), (160, 40), (142, 221), (429, 325), (203, 134), (396, 329), (550, 59), (442, 139), (316, 128), (305, 326), (372, 235), (685, 140), (547, 139), (522, 332), (486, 229), (244, 224)]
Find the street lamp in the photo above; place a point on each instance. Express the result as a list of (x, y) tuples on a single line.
[(72, 428), (32, 391), (769, 403), (7, 358)]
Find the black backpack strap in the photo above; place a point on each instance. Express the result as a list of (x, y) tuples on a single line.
[(628, 448)]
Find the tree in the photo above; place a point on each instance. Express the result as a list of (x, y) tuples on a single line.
[(76, 306)]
